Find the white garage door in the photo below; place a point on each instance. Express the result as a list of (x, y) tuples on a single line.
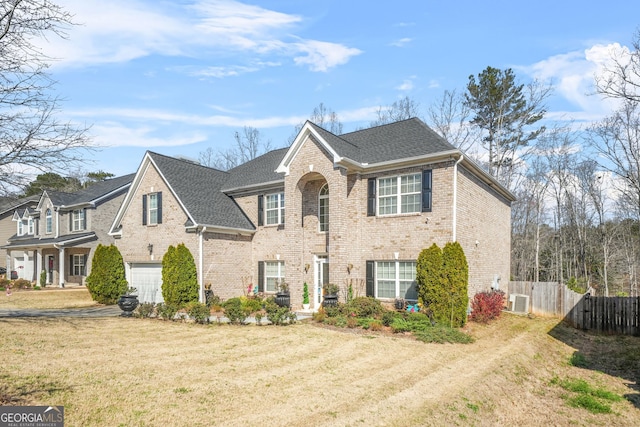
[(147, 279)]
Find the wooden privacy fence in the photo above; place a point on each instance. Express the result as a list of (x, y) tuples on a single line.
[(619, 315)]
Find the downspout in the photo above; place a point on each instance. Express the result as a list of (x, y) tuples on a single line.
[(201, 263), (454, 226)]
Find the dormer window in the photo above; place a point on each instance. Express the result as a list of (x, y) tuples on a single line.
[(20, 227), (30, 226)]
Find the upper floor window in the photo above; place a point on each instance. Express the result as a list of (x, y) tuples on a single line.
[(274, 209), (78, 220), (152, 208), (30, 226), (20, 227), (48, 221), (323, 208), (400, 194)]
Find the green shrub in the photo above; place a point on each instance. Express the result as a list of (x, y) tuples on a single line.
[(278, 315), (107, 281), (251, 305), (388, 316), (198, 312), (43, 278), (442, 278), (144, 310), (166, 311), (234, 311), (179, 276), (364, 307)]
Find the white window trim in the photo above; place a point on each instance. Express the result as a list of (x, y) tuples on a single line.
[(322, 197), (398, 194), (79, 220), (48, 221), (153, 198), (30, 226), (279, 208), (78, 261), (279, 277), (20, 227), (397, 278)]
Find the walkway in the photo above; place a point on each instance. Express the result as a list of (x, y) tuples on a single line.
[(108, 311)]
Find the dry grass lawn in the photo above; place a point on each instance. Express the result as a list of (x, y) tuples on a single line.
[(47, 298), (130, 372)]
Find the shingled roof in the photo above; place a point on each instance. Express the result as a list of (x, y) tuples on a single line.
[(90, 194), (199, 189)]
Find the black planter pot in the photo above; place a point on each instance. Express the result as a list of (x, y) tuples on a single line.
[(283, 299), (127, 304), (330, 300)]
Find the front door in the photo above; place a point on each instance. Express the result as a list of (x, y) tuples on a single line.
[(50, 268), (321, 279)]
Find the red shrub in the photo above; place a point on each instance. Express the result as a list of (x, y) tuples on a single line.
[(487, 306)]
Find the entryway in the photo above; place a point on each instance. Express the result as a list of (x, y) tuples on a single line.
[(321, 279)]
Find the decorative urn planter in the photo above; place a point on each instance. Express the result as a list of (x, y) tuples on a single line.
[(127, 304), (283, 299), (330, 300)]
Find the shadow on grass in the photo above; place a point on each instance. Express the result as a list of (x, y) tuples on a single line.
[(19, 391), (615, 355)]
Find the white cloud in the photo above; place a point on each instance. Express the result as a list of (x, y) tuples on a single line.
[(114, 134), (123, 30), (320, 56), (573, 76), (401, 42)]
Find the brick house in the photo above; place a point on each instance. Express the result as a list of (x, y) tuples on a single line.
[(59, 234), (351, 209)]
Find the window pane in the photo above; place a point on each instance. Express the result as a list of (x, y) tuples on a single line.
[(388, 205), (387, 186), (323, 214), (408, 280), (410, 183), (386, 279), (411, 203), (386, 289)]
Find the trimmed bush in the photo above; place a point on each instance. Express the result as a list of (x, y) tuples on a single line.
[(179, 276), (486, 306), (198, 312), (166, 311), (364, 307), (234, 311), (21, 284), (456, 272), (432, 289), (107, 281)]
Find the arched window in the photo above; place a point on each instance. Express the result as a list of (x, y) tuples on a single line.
[(323, 208), (48, 224)]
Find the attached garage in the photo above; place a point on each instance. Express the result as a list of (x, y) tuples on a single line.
[(147, 279)]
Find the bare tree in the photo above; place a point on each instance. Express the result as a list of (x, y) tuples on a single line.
[(617, 141), (323, 117), (248, 146), (401, 109), (450, 116), (621, 79), (32, 136)]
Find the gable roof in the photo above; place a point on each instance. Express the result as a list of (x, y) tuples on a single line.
[(259, 172), (400, 144), (198, 190), (93, 194)]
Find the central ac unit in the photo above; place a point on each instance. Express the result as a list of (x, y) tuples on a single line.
[(519, 303)]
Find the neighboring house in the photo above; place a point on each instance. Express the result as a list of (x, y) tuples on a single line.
[(60, 233), (351, 209), (8, 208)]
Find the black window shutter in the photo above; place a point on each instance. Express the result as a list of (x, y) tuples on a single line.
[(371, 197), (144, 209), (260, 276), (71, 221), (426, 190), (370, 279), (84, 266), (70, 265), (260, 209), (159, 199)]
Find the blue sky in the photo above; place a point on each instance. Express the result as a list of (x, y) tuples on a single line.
[(177, 77)]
